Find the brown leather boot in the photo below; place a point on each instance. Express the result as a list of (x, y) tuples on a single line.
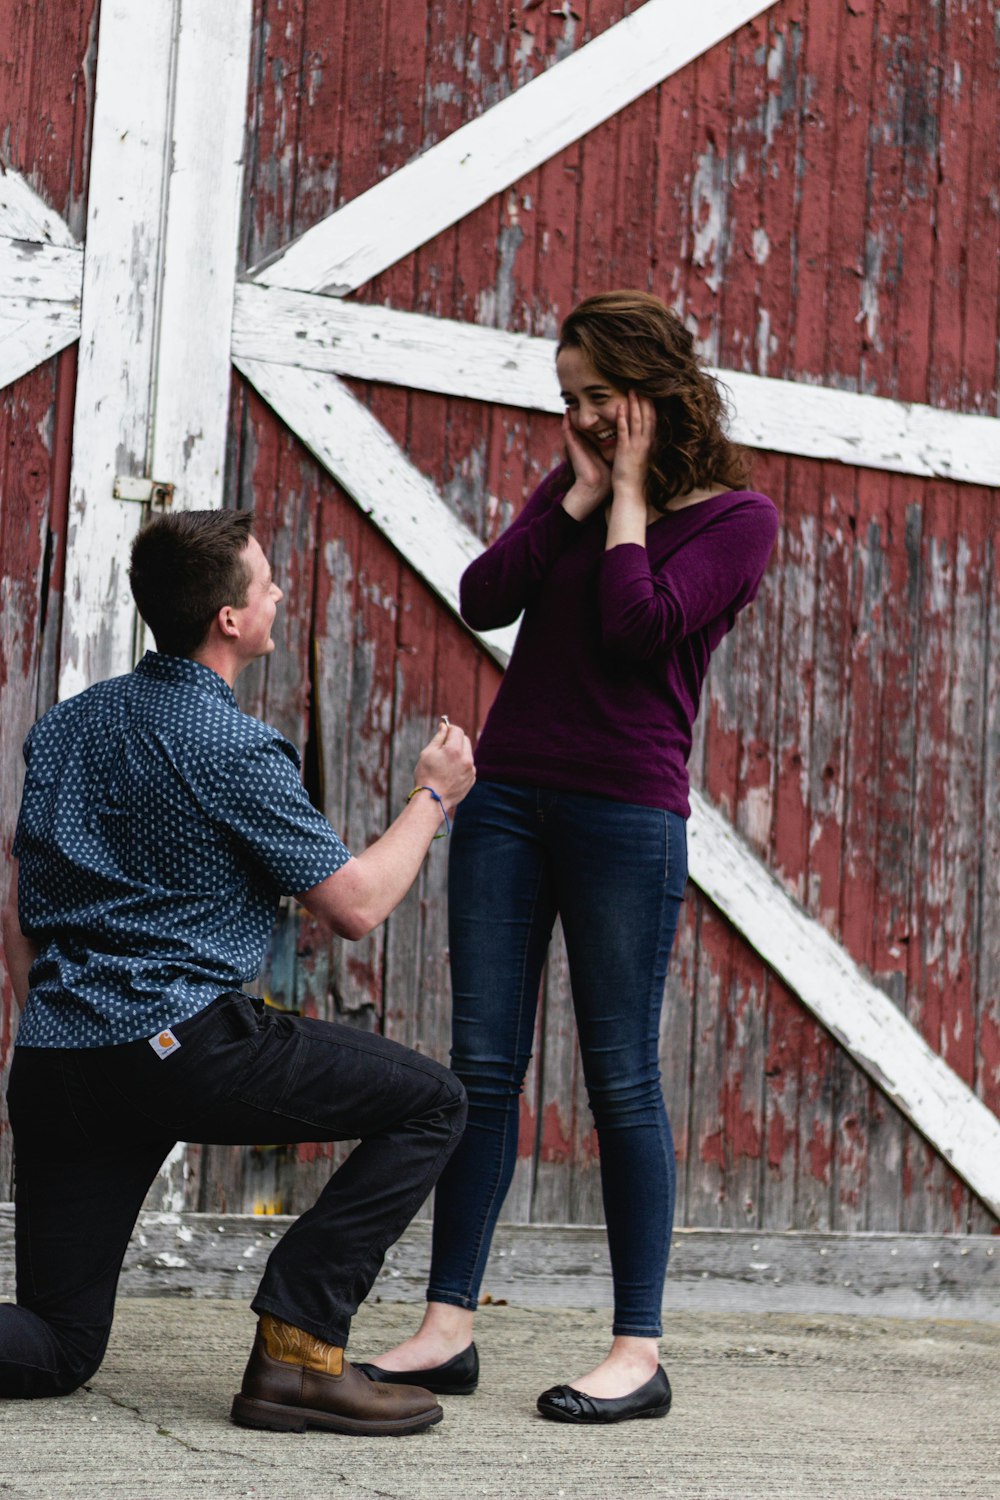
[(294, 1381)]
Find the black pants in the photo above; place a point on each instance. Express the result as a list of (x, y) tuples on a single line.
[(93, 1126)]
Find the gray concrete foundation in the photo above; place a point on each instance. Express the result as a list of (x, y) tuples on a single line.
[(766, 1406)]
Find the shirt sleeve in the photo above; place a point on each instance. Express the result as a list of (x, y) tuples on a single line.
[(266, 810), (499, 584), (714, 574)]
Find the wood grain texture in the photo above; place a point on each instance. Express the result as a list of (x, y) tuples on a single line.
[(756, 222), (310, 332), (199, 250), (492, 150), (46, 82), (885, 1275), (817, 196), (115, 390)]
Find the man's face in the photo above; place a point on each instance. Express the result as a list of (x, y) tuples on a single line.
[(257, 616)]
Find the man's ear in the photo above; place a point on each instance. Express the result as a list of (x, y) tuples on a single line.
[(228, 623)]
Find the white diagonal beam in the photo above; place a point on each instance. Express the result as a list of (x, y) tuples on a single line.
[(861, 1017), (26, 216), (487, 364), (355, 448), (40, 281), (483, 157), (33, 333), (39, 271)]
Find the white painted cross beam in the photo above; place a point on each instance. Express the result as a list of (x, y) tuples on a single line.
[(41, 271), (488, 364), (355, 448), (485, 156)]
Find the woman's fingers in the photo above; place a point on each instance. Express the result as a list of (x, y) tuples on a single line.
[(639, 418)]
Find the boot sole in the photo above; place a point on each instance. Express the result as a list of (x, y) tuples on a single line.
[(269, 1416)]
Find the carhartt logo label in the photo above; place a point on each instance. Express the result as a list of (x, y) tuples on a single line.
[(163, 1043)]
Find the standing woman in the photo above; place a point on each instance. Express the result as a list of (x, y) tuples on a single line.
[(630, 562)]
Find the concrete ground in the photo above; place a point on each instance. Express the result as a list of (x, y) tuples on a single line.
[(765, 1405)]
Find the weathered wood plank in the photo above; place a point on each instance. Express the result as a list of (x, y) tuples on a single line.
[(129, 168), (199, 249), (976, 85), (46, 82), (848, 105), (815, 182), (987, 829), (796, 563), (38, 271), (783, 416), (888, 1275), (355, 448), (495, 149), (32, 332), (24, 215)]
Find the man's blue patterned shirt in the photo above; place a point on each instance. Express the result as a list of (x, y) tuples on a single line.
[(159, 827)]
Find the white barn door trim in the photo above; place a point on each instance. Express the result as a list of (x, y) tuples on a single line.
[(161, 253)]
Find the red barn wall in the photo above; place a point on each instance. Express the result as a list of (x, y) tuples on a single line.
[(817, 196)]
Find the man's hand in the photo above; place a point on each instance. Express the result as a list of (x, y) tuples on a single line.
[(361, 894), (446, 765)]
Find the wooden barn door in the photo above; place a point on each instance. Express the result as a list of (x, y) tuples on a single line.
[(419, 192)]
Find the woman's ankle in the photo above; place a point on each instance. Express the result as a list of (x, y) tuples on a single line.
[(445, 1321)]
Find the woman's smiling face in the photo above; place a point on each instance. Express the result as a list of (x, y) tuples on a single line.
[(591, 401)]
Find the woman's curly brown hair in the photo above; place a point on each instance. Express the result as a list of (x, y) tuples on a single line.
[(635, 342)]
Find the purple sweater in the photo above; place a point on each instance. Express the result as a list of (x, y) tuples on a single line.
[(603, 686)]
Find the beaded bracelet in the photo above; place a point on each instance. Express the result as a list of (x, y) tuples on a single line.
[(437, 798)]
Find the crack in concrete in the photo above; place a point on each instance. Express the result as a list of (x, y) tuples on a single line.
[(174, 1437)]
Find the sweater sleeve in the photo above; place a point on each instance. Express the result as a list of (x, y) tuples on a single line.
[(715, 573), (497, 586)]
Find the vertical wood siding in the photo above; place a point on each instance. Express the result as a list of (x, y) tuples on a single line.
[(817, 197), (46, 77)]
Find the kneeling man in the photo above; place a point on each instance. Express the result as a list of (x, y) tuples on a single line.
[(159, 827)]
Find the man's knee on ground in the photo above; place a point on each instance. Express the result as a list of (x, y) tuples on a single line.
[(55, 1366)]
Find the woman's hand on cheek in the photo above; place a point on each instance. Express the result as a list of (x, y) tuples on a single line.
[(636, 430), (591, 475)]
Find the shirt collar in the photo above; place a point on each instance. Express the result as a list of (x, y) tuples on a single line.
[(157, 667)]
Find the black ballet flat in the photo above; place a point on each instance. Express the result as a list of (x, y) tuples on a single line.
[(561, 1403), (458, 1376)]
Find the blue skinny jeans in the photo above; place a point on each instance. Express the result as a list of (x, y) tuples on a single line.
[(615, 873)]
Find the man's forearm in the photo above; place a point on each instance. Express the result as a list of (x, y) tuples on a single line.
[(362, 893)]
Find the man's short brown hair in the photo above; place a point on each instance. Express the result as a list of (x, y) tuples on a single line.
[(186, 566)]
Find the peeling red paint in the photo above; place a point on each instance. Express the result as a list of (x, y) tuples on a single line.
[(712, 1149), (779, 1139), (819, 1152), (526, 1126), (557, 1138)]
